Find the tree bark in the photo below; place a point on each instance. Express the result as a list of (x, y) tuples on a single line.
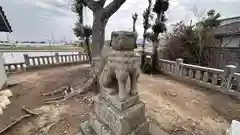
[(155, 55), (134, 25), (143, 49), (98, 34), (155, 45), (88, 50)]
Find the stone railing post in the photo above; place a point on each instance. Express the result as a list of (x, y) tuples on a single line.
[(227, 77), (178, 70), (26, 59), (57, 57)]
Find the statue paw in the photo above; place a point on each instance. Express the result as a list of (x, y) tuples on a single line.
[(134, 92)]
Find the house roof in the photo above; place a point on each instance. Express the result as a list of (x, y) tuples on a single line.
[(228, 29), (4, 24), (230, 18)]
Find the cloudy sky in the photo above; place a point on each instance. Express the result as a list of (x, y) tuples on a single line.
[(46, 19)]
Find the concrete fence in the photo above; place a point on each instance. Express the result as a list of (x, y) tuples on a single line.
[(226, 81), (33, 62)]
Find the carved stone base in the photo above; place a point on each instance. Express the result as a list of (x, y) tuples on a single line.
[(110, 120), (87, 128), (115, 101)]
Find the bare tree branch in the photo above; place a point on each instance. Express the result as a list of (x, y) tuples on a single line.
[(229, 41), (111, 8), (102, 2), (198, 13), (92, 4)]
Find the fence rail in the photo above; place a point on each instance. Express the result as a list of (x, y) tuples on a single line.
[(15, 67), (226, 81), (31, 62)]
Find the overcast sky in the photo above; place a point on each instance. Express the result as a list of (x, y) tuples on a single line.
[(43, 19)]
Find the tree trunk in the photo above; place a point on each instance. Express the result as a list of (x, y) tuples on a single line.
[(97, 63), (143, 49), (155, 45), (134, 26), (155, 56), (98, 39), (88, 50), (98, 34)]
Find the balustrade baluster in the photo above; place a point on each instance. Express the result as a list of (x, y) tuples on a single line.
[(48, 61), (21, 67), (15, 67), (43, 60), (34, 62), (168, 68), (72, 58), (172, 68), (9, 68), (38, 60), (198, 75), (75, 57), (214, 79), (65, 58), (205, 77), (238, 83), (190, 73), (185, 70), (52, 58), (61, 59), (80, 57)]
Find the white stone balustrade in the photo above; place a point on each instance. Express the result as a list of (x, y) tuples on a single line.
[(32, 62), (226, 81)]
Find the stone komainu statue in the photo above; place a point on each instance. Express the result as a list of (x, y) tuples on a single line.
[(122, 65)]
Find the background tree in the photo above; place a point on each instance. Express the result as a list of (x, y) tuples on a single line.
[(134, 17), (81, 31), (191, 42), (159, 8), (204, 31), (84, 32), (147, 16)]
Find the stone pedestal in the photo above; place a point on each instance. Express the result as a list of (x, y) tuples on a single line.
[(117, 109), (112, 117)]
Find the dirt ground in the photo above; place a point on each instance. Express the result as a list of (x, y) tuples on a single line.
[(28, 92), (178, 108), (182, 109)]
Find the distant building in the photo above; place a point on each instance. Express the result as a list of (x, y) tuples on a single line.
[(228, 32), (227, 49)]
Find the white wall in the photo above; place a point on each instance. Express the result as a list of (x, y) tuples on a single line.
[(3, 77), (231, 41)]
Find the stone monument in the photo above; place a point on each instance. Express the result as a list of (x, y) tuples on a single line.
[(117, 109), (3, 76)]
